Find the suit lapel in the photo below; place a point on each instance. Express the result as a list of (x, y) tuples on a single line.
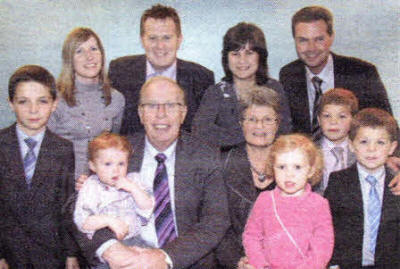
[(354, 193), (239, 178), (13, 151), (299, 98), (182, 76), (339, 74), (43, 163), (136, 161)]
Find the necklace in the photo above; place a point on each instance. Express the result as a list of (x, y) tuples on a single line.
[(261, 176)]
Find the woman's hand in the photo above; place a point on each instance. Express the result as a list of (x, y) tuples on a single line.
[(79, 182), (72, 263), (244, 263), (3, 264)]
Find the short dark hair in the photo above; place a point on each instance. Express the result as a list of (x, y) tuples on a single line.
[(160, 12), (339, 96), (374, 118), (311, 14), (34, 73), (236, 38)]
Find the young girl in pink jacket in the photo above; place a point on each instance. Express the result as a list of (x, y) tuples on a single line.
[(290, 226)]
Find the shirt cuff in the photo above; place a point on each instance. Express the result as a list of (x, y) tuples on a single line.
[(100, 251), (168, 260), (334, 267)]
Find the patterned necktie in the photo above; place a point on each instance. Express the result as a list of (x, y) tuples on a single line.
[(374, 213), (29, 160), (164, 220), (338, 153), (315, 129)]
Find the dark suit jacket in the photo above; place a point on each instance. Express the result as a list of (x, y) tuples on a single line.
[(353, 74), (241, 196), (30, 219), (128, 74), (200, 204), (345, 199)]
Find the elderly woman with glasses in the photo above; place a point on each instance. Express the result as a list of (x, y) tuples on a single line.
[(244, 58), (244, 166)]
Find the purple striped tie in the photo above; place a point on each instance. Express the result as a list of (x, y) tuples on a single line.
[(164, 220)]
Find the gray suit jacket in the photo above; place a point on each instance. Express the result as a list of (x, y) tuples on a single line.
[(30, 219), (200, 204), (128, 74)]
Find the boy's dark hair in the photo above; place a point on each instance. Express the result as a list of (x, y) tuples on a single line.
[(311, 14), (236, 39), (34, 73), (161, 12), (339, 96), (374, 118)]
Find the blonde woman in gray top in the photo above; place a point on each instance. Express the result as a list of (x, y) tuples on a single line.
[(87, 104)]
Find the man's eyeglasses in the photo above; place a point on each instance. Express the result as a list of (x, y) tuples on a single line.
[(264, 121), (169, 107)]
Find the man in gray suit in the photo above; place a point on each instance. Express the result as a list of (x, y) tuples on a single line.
[(197, 198)]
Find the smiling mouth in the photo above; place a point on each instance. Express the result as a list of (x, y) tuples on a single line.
[(161, 126), (115, 178), (289, 184)]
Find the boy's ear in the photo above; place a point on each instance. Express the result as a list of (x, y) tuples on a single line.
[(351, 146), (11, 104), (393, 147), (55, 103), (92, 167)]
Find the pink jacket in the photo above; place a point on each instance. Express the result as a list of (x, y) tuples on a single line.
[(307, 218)]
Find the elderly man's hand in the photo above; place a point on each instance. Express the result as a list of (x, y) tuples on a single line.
[(151, 258), (120, 256)]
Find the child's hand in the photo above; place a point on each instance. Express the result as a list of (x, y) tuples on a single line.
[(79, 182), (72, 263), (3, 264), (119, 227), (244, 263), (123, 183)]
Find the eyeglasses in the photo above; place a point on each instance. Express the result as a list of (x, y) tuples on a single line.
[(169, 107), (264, 121)]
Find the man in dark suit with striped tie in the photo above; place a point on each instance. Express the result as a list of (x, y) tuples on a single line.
[(318, 69), (190, 215)]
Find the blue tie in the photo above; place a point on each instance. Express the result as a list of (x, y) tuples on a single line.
[(29, 160), (374, 213), (164, 220)]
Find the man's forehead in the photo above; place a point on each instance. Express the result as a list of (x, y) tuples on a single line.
[(161, 86)]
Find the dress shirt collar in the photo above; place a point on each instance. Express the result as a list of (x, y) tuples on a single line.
[(23, 146), (169, 152), (326, 73), (169, 72), (379, 174)]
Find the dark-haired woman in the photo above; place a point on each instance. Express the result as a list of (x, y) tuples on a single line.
[(244, 58)]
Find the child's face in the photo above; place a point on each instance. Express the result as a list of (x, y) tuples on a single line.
[(33, 105), (110, 165), (335, 122), (372, 147), (292, 171)]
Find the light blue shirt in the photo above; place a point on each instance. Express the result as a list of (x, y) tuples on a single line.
[(169, 72), (368, 257), (23, 147)]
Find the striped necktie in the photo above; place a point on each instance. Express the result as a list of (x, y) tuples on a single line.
[(164, 220), (29, 160), (338, 153), (315, 129), (374, 213)]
